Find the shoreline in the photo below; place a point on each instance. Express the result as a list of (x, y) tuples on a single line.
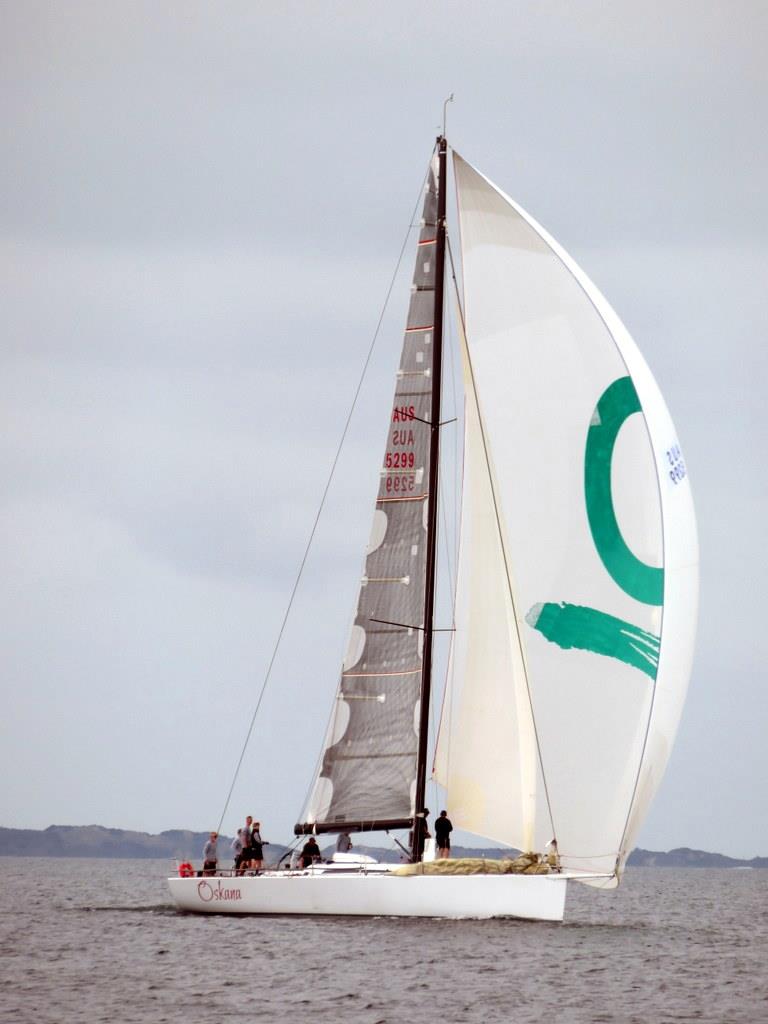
[(99, 843)]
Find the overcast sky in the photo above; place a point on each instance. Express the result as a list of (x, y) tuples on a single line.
[(201, 206)]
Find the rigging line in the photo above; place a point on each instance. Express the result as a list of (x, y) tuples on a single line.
[(449, 664), (458, 477), (443, 523), (430, 780), (449, 688), (449, 570), (503, 549), (452, 363), (442, 494), (312, 532), (290, 849)]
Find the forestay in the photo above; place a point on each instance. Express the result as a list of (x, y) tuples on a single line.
[(368, 769), (576, 601)]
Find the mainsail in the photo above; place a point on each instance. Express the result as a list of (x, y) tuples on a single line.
[(588, 547), (368, 770)]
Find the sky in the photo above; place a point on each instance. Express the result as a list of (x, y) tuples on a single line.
[(201, 206)]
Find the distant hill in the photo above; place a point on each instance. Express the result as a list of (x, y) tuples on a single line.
[(683, 857), (182, 844), (97, 841), (680, 858)]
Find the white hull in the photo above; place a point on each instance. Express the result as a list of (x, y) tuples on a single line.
[(533, 897)]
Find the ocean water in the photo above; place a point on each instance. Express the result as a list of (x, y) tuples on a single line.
[(91, 940)]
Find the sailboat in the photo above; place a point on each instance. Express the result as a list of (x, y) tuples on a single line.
[(575, 604)]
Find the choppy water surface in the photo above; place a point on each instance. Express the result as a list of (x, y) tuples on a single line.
[(89, 940)]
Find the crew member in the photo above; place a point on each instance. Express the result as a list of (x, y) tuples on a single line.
[(443, 829), (343, 843), (310, 852), (210, 855)]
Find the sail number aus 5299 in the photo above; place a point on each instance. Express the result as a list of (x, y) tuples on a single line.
[(402, 437), (399, 484), (403, 413), (399, 460)]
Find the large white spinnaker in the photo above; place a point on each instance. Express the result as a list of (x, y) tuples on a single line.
[(596, 521)]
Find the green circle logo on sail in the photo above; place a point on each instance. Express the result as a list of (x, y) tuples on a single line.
[(643, 582)]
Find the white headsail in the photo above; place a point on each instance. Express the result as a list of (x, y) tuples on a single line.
[(492, 782), (579, 557)]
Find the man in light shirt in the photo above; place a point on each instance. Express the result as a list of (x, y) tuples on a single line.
[(210, 855)]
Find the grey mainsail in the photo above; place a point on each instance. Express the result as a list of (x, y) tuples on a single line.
[(368, 771)]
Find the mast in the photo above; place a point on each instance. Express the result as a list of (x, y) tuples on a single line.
[(419, 824)]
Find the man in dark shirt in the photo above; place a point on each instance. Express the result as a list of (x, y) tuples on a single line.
[(247, 855), (310, 853), (257, 847), (443, 829)]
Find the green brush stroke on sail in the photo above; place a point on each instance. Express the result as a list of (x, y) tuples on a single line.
[(573, 625), (643, 582)]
